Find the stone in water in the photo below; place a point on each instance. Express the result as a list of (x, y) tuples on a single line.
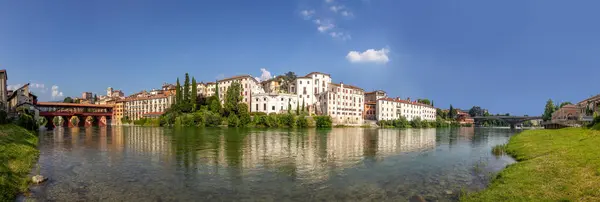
[(38, 179)]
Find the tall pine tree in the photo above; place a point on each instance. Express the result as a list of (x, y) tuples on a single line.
[(178, 96), (302, 105), (297, 107), (194, 93), (186, 89)]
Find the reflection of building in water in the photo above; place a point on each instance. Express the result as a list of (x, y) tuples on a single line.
[(147, 141), (391, 141)]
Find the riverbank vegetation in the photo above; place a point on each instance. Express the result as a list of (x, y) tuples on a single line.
[(402, 122), (191, 109), (553, 165), (18, 153)]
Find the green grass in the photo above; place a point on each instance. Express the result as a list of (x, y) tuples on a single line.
[(18, 153), (554, 165)]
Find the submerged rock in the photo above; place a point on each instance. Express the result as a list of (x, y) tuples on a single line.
[(448, 192), (38, 179)]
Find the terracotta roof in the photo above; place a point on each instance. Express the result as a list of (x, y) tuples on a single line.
[(317, 73), (210, 83), (375, 91), (238, 77), (596, 97), (52, 104), (146, 98), (404, 101), (347, 86)]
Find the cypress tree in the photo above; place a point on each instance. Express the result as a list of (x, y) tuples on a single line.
[(186, 89), (289, 107), (194, 93), (178, 96), (297, 108), (302, 105)]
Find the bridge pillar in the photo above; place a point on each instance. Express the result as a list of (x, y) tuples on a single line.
[(89, 121), (102, 121), (74, 122)]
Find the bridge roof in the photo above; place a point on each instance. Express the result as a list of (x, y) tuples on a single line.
[(60, 104)]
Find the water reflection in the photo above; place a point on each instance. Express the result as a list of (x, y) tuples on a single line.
[(145, 163)]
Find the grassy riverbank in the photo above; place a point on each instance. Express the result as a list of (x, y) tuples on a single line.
[(18, 153), (554, 165)]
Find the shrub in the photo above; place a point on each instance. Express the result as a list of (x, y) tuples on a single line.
[(273, 121), (401, 123), (288, 120), (244, 115), (42, 121), (198, 119), (416, 123), (258, 114), (27, 122), (233, 120), (212, 119), (301, 122), (323, 121)]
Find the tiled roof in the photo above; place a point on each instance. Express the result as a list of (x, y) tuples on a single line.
[(238, 77), (375, 91), (317, 73), (347, 86), (71, 104), (146, 98), (404, 101)]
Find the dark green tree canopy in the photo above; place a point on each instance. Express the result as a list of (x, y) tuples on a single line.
[(548, 110)]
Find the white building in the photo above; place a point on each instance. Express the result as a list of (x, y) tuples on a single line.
[(308, 88), (137, 107), (344, 103), (249, 86), (392, 109), (273, 102)]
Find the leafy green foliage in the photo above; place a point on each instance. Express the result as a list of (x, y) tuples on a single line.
[(232, 98), (563, 104), (323, 121), (212, 119), (548, 110), (424, 101), (194, 94), (301, 122), (26, 121), (3, 117), (233, 120), (476, 111), (68, 100), (243, 114), (186, 88), (178, 95), (287, 120)]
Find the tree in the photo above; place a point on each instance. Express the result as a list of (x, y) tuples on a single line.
[(549, 109), (564, 103), (297, 108), (452, 113), (178, 96), (288, 78), (232, 98), (194, 94), (289, 109), (424, 101), (302, 105), (475, 111), (432, 103), (68, 100), (95, 98), (440, 113), (186, 88)]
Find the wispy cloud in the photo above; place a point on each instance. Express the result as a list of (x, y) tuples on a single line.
[(56, 93), (335, 9), (369, 56), (14, 86), (307, 14), (328, 1), (340, 35)]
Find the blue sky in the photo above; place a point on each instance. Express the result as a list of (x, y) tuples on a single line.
[(506, 56)]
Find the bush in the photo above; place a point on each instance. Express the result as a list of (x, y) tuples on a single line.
[(416, 123), (401, 123), (243, 114), (270, 121), (42, 121), (198, 119), (323, 121), (301, 122), (258, 114), (27, 122), (288, 120), (233, 121), (3, 117), (212, 119)]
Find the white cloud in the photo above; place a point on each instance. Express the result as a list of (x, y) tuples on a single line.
[(323, 25), (335, 9), (14, 87), (371, 55), (265, 75), (55, 92), (346, 13), (328, 1), (340, 35), (307, 14)]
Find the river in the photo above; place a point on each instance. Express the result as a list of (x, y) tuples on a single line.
[(193, 164)]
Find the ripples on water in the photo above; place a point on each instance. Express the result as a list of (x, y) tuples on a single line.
[(191, 164)]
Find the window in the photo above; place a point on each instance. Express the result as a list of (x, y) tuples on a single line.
[(300, 82), (307, 82), (265, 107), (256, 106), (273, 108)]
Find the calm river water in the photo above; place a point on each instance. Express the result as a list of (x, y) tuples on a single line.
[(192, 164)]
